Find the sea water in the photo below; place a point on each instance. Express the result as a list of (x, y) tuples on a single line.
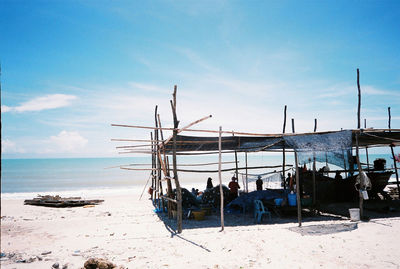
[(25, 178)]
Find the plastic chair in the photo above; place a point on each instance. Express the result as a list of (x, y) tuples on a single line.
[(259, 211)]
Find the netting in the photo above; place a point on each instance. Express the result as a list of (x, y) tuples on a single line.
[(333, 148)]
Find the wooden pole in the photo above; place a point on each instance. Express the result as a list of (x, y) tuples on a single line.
[(361, 199), (131, 140), (153, 166), (344, 164), (298, 191), (236, 160), (366, 148), (169, 185), (293, 129), (247, 179), (298, 194), (159, 163), (226, 169), (178, 187), (359, 100), (220, 179), (314, 170), (394, 159), (283, 150), (187, 127)]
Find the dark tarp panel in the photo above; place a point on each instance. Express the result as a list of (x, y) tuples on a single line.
[(368, 138)]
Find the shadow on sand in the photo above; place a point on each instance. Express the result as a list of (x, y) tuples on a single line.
[(332, 211)]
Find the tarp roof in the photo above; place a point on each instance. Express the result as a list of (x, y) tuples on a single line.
[(366, 138)]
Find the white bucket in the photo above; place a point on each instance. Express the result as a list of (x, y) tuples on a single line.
[(354, 214)]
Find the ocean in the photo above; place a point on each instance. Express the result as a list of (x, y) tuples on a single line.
[(89, 177)]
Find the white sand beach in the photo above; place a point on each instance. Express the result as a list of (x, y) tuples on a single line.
[(127, 232)]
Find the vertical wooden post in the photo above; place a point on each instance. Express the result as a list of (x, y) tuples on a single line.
[(220, 178), (361, 199), (166, 164), (293, 130), (313, 170), (344, 164), (247, 180), (178, 186), (236, 161), (284, 150), (298, 190), (366, 148), (159, 184), (394, 159), (359, 100), (153, 166), (298, 194)]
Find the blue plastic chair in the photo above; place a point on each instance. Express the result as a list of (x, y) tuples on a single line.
[(259, 211)]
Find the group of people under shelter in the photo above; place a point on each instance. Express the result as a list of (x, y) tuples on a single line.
[(234, 186)]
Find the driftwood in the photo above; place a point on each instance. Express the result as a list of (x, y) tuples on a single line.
[(57, 201)]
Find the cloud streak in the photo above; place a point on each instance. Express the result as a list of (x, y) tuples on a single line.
[(68, 141), (46, 102), (8, 146)]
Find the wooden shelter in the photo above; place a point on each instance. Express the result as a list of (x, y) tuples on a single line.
[(162, 148)]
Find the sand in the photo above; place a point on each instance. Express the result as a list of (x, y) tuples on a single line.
[(127, 232)]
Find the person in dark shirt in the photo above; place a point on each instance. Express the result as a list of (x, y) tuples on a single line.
[(259, 183), (233, 187)]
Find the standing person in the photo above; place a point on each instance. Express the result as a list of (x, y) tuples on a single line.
[(259, 183), (289, 181), (233, 187), (209, 183)]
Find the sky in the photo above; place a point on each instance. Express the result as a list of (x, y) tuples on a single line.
[(69, 69)]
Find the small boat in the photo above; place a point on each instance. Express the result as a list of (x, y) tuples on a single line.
[(329, 189), (57, 201)]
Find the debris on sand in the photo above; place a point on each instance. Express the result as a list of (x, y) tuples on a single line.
[(99, 263), (57, 201)]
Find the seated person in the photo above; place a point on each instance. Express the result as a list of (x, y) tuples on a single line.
[(209, 183), (338, 176)]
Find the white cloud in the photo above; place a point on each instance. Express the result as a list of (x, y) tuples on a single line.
[(8, 146), (5, 109), (371, 90), (148, 87), (42, 103), (68, 141)]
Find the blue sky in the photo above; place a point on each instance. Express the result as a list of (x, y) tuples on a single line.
[(71, 68)]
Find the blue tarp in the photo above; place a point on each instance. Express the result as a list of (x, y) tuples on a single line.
[(247, 199)]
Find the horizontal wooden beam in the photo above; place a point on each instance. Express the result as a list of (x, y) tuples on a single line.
[(139, 169), (168, 199), (134, 140), (227, 169), (135, 146)]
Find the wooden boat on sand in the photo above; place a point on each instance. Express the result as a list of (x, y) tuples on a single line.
[(341, 190), (57, 201)]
